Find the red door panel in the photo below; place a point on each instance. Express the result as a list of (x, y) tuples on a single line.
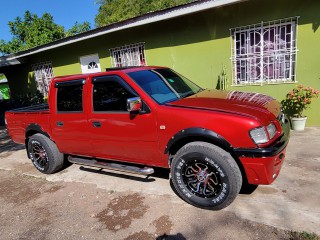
[(69, 117), (115, 133), (123, 137)]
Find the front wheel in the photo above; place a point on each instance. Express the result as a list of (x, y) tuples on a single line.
[(44, 154), (205, 175)]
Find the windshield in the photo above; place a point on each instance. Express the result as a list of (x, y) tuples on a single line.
[(164, 85)]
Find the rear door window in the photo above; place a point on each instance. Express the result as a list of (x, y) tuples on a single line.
[(69, 96)]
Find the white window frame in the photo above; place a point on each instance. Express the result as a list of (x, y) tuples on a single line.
[(43, 73), (128, 55), (264, 58)]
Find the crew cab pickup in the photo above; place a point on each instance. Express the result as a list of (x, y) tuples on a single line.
[(137, 118)]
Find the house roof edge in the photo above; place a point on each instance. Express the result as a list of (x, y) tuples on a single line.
[(165, 14)]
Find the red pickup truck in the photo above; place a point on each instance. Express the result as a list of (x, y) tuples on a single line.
[(136, 118)]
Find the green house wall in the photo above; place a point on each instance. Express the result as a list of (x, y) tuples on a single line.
[(197, 46)]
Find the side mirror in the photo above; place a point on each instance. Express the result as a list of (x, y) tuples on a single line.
[(134, 104)]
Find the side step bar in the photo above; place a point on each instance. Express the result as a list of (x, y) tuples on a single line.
[(113, 166)]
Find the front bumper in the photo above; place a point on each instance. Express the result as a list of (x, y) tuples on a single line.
[(262, 165), (263, 170)]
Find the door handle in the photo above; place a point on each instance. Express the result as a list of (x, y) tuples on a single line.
[(59, 124), (96, 124)]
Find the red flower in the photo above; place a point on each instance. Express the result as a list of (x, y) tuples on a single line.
[(299, 99)]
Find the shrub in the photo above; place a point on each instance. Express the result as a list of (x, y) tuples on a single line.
[(299, 99)]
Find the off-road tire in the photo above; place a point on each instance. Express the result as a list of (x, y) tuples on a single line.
[(205, 175), (44, 154)]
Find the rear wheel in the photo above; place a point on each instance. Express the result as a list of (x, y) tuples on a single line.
[(205, 175), (44, 154)]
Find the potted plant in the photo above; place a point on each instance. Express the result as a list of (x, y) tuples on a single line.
[(297, 100)]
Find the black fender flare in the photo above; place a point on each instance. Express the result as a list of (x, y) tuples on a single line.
[(36, 128), (199, 132)]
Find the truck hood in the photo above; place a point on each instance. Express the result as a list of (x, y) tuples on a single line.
[(254, 105)]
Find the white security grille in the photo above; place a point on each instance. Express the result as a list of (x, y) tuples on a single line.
[(264, 52), (43, 73), (128, 55)]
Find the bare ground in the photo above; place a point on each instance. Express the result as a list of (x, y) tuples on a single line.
[(33, 208), (68, 208)]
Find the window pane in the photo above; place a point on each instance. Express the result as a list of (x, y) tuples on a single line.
[(128, 55), (264, 52), (69, 98), (43, 73), (110, 95), (164, 85), (154, 86)]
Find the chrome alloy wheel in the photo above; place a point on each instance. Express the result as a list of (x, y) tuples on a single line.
[(39, 155), (202, 179)]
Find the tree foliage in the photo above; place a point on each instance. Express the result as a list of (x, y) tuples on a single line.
[(32, 31), (111, 11), (78, 28)]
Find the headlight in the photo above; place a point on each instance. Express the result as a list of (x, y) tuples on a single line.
[(272, 130), (259, 135)]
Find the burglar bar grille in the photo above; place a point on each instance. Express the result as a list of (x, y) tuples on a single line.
[(43, 73), (128, 55), (265, 52)]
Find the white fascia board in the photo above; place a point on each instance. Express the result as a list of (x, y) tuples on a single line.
[(8, 61), (145, 20)]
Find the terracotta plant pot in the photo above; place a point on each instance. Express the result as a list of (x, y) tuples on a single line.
[(298, 124)]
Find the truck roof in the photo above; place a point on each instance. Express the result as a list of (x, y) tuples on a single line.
[(115, 69)]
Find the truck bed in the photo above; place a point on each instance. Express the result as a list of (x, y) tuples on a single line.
[(34, 108), (19, 119)]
